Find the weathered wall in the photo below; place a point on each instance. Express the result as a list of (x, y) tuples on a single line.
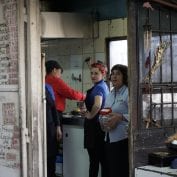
[(9, 101)]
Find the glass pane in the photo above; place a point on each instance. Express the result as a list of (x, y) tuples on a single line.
[(161, 110), (160, 58), (154, 19), (174, 53), (156, 72), (166, 60), (118, 52), (164, 20), (151, 110), (173, 21)]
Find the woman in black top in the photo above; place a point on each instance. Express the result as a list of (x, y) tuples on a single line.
[(93, 135)]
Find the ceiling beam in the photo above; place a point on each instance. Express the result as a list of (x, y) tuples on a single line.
[(166, 3)]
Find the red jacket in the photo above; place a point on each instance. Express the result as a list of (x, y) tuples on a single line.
[(62, 92)]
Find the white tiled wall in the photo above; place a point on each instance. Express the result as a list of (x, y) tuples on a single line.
[(67, 50)]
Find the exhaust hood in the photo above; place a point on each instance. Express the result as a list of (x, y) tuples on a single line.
[(65, 25)]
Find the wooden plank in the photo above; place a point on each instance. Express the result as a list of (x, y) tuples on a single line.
[(34, 77), (133, 79), (22, 85)]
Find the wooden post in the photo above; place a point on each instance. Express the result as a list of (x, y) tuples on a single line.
[(133, 79), (34, 90), (22, 86)]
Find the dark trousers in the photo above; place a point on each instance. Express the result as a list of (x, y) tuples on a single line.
[(117, 158), (96, 157), (51, 149), (51, 166)]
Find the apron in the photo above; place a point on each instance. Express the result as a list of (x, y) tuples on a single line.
[(93, 135)]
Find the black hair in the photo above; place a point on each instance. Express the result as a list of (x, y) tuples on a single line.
[(124, 70), (51, 64)]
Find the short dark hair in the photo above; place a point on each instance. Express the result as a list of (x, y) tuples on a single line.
[(124, 70), (51, 64)]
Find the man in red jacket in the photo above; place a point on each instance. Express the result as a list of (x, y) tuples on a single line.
[(61, 89)]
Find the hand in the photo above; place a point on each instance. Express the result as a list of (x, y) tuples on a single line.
[(83, 112), (84, 96), (59, 133), (114, 119), (88, 115), (81, 106)]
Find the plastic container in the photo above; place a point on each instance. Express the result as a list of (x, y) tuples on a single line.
[(103, 118)]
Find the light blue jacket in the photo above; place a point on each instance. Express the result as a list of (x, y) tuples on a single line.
[(118, 102)]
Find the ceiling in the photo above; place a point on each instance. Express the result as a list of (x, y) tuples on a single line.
[(101, 9)]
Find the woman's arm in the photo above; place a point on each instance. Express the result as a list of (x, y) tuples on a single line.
[(95, 108), (68, 92)]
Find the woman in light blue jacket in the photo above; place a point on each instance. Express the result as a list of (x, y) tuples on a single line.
[(117, 124)]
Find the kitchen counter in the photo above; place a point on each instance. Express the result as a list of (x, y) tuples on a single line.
[(73, 120), (75, 155)]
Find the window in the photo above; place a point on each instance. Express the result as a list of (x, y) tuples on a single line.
[(117, 51), (158, 76)]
